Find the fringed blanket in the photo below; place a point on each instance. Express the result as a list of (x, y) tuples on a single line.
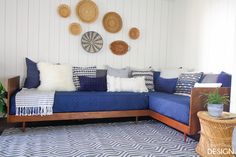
[(34, 102)]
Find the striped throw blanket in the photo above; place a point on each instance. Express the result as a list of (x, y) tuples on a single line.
[(34, 102)]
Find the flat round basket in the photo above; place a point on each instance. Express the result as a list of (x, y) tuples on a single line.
[(64, 10), (112, 22), (87, 11), (75, 28), (92, 42), (119, 47), (134, 33)]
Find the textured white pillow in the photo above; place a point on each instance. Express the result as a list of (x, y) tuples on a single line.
[(117, 84), (209, 85), (55, 77)]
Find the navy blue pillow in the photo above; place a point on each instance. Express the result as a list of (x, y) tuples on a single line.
[(32, 78), (156, 75), (166, 85), (225, 79), (93, 84)]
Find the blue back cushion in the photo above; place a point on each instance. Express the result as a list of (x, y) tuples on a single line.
[(93, 84), (225, 79), (32, 78), (166, 85), (156, 75)]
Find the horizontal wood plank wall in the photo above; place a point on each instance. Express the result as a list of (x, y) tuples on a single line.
[(32, 28)]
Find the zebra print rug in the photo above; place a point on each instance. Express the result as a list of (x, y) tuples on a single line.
[(146, 138)]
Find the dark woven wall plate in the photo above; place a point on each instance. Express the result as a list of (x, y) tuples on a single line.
[(92, 42)]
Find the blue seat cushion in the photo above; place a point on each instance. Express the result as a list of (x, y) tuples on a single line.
[(95, 101), (170, 105)]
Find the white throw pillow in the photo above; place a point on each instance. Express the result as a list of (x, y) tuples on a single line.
[(117, 84), (208, 85), (55, 77)]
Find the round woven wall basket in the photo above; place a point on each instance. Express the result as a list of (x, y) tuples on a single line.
[(92, 42), (64, 10), (134, 33), (87, 11), (119, 47), (112, 22), (75, 28)]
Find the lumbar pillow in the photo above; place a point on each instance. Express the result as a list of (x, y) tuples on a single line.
[(93, 84), (118, 72), (225, 79), (166, 85), (32, 76), (186, 82), (208, 85), (148, 78), (117, 84), (83, 71), (55, 77)]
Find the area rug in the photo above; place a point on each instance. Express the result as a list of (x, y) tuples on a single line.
[(126, 139)]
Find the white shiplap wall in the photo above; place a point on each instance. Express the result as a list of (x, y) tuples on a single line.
[(203, 35), (32, 28)]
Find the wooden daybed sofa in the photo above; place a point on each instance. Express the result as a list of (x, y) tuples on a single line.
[(193, 127)]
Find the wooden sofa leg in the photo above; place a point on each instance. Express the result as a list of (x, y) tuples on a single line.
[(136, 119), (23, 126), (185, 137)]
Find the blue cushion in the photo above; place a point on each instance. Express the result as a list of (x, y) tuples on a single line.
[(83, 71), (156, 75), (170, 105), (166, 85), (95, 101), (225, 79), (93, 84), (32, 78)]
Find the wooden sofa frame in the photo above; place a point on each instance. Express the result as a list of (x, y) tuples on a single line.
[(196, 104)]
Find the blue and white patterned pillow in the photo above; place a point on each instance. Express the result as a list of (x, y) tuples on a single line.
[(148, 77), (186, 82), (83, 71)]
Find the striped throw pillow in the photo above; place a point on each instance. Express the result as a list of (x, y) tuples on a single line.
[(186, 82), (83, 71), (148, 77)]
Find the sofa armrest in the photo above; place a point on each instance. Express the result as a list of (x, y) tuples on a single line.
[(12, 85), (197, 104)]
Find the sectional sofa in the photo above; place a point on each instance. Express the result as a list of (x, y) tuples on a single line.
[(177, 111)]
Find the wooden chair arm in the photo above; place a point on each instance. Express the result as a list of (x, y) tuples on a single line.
[(197, 104), (12, 85)]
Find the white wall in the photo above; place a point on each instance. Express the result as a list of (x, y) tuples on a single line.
[(203, 35), (32, 28)]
